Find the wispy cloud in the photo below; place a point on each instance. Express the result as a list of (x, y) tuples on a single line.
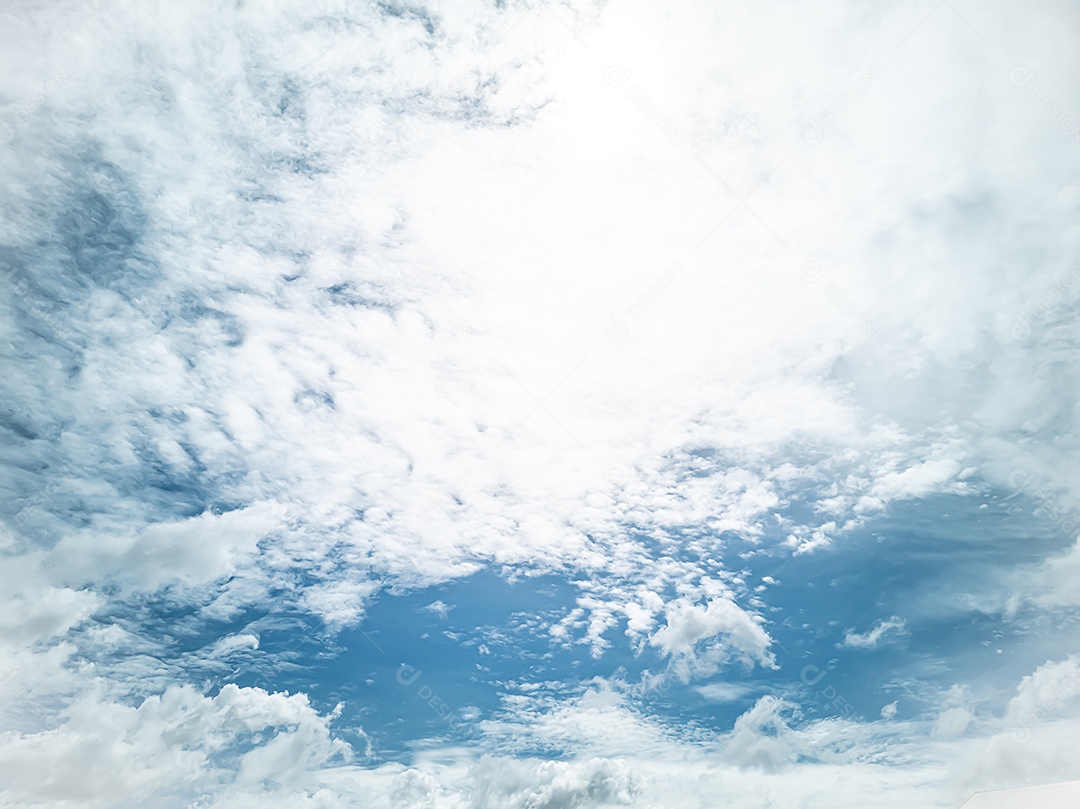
[(880, 632)]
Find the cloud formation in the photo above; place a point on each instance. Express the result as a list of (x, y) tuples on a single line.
[(893, 626), (309, 307)]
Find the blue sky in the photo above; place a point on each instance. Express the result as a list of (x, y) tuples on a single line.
[(466, 404)]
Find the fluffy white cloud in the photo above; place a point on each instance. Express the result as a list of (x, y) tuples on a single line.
[(187, 553), (525, 784), (700, 637), (1046, 693), (340, 603), (1053, 583), (175, 744), (599, 721)]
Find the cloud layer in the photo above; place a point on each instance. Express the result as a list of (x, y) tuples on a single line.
[(308, 307)]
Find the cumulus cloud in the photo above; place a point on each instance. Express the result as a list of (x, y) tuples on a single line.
[(762, 737), (700, 637), (1046, 693), (1052, 583), (173, 744), (592, 782)]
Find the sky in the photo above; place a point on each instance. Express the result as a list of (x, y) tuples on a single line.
[(538, 404)]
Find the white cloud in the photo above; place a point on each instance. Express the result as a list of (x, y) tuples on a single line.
[(35, 611), (599, 721), (733, 632), (1053, 583), (816, 540), (762, 739), (173, 744), (725, 692), (872, 638), (526, 784), (1046, 693), (340, 603), (227, 645), (439, 608), (915, 481), (191, 553), (952, 722)]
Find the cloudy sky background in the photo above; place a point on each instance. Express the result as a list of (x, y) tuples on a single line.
[(544, 404)]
